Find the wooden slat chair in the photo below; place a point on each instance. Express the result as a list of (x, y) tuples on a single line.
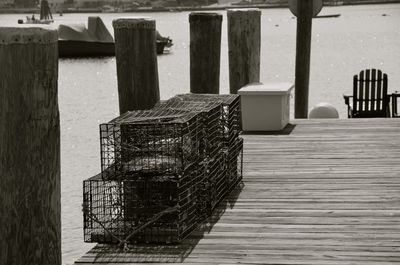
[(370, 98)]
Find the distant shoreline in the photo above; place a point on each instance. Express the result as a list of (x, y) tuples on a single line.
[(188, 8)]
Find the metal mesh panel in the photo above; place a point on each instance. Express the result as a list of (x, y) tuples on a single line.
[(231, 119), (210, 114), (214, 186), (114, 209), (150, 141), (213, 165)]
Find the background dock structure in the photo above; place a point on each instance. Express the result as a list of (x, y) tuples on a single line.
[(320, 192)]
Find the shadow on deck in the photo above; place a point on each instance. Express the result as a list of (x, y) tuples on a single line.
[(156, 253)]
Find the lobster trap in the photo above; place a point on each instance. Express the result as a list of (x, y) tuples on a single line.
[(163, 170), (210, 115), (146, 209), (214, 185), (212, 163), (153, 141), (231, 119)]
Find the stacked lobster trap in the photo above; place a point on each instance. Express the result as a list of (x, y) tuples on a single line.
[(163, 170), (232, 144)]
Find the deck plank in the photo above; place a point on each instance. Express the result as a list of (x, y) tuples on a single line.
[(326, 192)]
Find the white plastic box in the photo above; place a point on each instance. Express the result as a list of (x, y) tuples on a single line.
[(265, 107)]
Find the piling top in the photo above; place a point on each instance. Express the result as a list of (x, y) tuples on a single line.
[(204, 16), (22, 35), (134, 23)]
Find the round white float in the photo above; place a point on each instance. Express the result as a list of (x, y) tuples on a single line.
[(323, 111)]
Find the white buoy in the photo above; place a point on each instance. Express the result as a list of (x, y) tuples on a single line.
[(323, 111)]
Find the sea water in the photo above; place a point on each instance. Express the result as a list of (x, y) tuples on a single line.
[(364, 36)]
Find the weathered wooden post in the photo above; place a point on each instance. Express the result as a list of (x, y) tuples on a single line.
[(30, 209), (205, 52), (244, 40), (135, 52), (303, 50)]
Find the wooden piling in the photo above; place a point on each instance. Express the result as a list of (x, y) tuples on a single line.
[(30, 217), (137, 71), (244, 40), (205, 52), (303, 50)]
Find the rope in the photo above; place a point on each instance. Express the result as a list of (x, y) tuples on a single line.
[(124, 242)]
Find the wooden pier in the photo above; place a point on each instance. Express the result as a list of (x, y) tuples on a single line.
[(321, 192)]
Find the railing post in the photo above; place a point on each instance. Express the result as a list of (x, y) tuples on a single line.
[(303, 50), (244, 39), (30, 208), (136, 56), (205, 52)]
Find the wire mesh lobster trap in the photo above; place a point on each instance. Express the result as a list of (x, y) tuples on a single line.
[(214, 185), (210, 114), (152, 141), (147, 209), (164, 170), (231, 119), (212, 163), (219, 172)]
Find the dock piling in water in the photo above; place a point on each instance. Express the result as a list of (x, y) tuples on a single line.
[(30, 217), (205, 52), (244, 40), (137, 70)]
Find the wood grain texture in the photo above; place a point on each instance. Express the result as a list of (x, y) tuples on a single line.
[(244, 40), (326, 193), (137, 70), (205, 52), (30, 210), (303, 57)]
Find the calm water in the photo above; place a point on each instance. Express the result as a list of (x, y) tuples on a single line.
[(362, 37)]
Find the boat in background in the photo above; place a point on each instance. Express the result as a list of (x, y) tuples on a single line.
[(328, 16), (162, 43), (45, 15), (75, 40)]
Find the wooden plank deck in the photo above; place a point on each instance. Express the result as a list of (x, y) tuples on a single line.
[(324, 192)]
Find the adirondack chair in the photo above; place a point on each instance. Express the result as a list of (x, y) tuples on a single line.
[(370, 98)]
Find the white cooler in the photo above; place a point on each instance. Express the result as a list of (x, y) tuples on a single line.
[(265, 107)]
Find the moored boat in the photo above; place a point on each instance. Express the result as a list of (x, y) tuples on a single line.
[(162, 43), (328, 16), (45, 15), (75, 40)]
